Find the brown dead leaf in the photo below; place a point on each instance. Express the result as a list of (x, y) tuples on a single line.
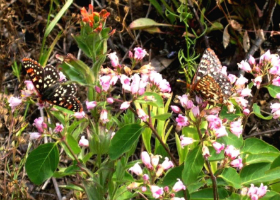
[(226, 37), (246, 41)]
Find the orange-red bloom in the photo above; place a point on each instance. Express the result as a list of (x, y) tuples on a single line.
[(88, 16)]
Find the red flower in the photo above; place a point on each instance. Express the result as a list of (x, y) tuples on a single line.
[(88, 16)]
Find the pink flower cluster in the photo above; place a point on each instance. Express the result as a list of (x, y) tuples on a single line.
[(256, 193), (155, 169), (232, 153)]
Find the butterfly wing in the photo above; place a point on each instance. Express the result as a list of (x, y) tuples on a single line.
[(35, 72), (51, 76), (63, 96)]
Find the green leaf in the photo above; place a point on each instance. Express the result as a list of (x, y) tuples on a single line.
[(258, 173), (232, 139), (215, 26), (257, 146), (157, 99), (93, 189), (124, 139), (276, 163), (42, 162), (73, 144), (207, 194), (273, 90), (162, 117), (257, 111), (231, 177), (57, 17), (224, 114), (193, 165), (172, 175)]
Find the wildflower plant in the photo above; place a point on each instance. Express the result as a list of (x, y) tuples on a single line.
[(212, 160)]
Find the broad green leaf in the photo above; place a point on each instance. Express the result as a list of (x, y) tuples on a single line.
[(207, 194), (276, 163), (261, 157), (124, 139), (224, 114), (258, 173), (42, 162), (235, 196), (123, 193), (273, 90), (155, 99), (215, 26), (162, 117), (72, 187), (172, 175), (231, 139), (231, 177), (71, 170), (257, 146), (257, 112), (193, 165), (73, 144)]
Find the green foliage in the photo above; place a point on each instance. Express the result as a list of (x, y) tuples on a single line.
[(42, 162)]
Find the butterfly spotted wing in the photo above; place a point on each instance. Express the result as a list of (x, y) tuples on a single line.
[(46, 82), (209, 82)]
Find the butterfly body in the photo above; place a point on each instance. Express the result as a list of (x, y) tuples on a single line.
[(209, 82), (49, 89)]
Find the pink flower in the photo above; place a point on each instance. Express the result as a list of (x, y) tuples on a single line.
[(275, 70), (125, 105), (232, 78), (237, 163), (167, 164), (130, 54), (155, 160), (185, 141), (175, 109), (261, 190), (156, 191), (205, 152), (252, 60), (62, 77), (213, 111), (178, 186), (125, 83), (83, 142), (246, 111), (244, 65), (112, 135), (257, 81), (195, 110), (91, 105), (110, 100), (218, 147), (40, 124), (97, 89), (146, 159), (104, 116), (184, 100), (139, 53), (241, 101), (135, 84), (145, 177), (59, 128), (246, 92), (265, 57), (214, 122), (182, 121), (29, 85), (240, 82), (276, 81), (14, 102), (224, 70), (274, 107), (136, 169), (114, 59), (177, 198), (143, 188), (79, 115), (278, 95), (220, 132), (276, 114), (142, 115), (236, 127), (231, 152), (34, 135)]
